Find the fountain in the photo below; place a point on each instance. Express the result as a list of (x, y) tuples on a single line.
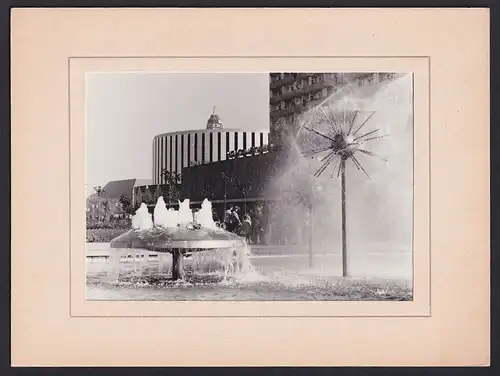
[(178, 233), (343, 133)]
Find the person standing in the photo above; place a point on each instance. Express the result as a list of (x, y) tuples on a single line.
[(257, 227), (232, 219), (246, 228), (227, 218), (236, 222)]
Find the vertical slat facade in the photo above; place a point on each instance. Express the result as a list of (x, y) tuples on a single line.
[(175, 151)]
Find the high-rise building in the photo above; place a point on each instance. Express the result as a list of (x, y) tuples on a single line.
[(290, 94)]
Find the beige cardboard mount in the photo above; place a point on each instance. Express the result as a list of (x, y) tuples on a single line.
[(448, 321)]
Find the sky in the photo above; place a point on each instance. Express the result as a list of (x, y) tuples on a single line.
[(126, 110)]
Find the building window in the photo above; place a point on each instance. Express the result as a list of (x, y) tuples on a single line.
[(203, 147), (171, 156), (189, 149), (182, 151), (219, 152), (211, 146)]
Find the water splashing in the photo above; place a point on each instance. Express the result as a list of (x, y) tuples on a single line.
[(161, 213), (172, 218), (204, 216), (185, 215), (142, 219), (379, 208), (231, 262)]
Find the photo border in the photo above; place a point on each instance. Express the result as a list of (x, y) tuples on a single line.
[(333, 57)]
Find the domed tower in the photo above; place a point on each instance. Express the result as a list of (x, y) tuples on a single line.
[(214, 121)]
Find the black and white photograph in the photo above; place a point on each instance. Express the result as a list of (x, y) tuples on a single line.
[(271, 186)]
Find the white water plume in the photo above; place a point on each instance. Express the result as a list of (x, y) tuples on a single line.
[(142, 219), (161, 213), (204, 216), (185, 213)]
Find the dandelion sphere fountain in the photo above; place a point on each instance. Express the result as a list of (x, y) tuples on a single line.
[(178, 233)]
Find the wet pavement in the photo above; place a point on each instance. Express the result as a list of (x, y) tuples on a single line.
[(278, 278)]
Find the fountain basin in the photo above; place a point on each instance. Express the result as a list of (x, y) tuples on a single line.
[(179, 241), (166, 239)]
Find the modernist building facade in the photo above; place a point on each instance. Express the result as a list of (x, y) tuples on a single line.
[(176, 150), (234, 180)]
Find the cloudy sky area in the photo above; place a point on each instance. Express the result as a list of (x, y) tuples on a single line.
[(126, 110)]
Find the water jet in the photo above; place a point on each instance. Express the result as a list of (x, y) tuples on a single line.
[(179, 234)]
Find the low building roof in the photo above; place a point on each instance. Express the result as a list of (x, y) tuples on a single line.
[(266, 130), (115, 189)]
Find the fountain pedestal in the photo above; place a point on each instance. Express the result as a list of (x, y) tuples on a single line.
[(178, 241), (177, 264)]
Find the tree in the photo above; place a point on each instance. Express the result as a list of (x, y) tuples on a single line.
[(207, 192), (171, 177), (172, 180), (227, 179), (105, 205), (245, 187), (147, 197), (126, 204)]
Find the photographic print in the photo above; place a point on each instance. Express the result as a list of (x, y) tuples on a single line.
[(284, 186)]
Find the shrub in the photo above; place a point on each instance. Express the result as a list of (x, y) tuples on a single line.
[(103, 235), (113, 224)]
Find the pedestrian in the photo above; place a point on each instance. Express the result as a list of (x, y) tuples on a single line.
[(257, 228), (232, 220), (246, 228), (215, 217), (227, 218), (236, 218)]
